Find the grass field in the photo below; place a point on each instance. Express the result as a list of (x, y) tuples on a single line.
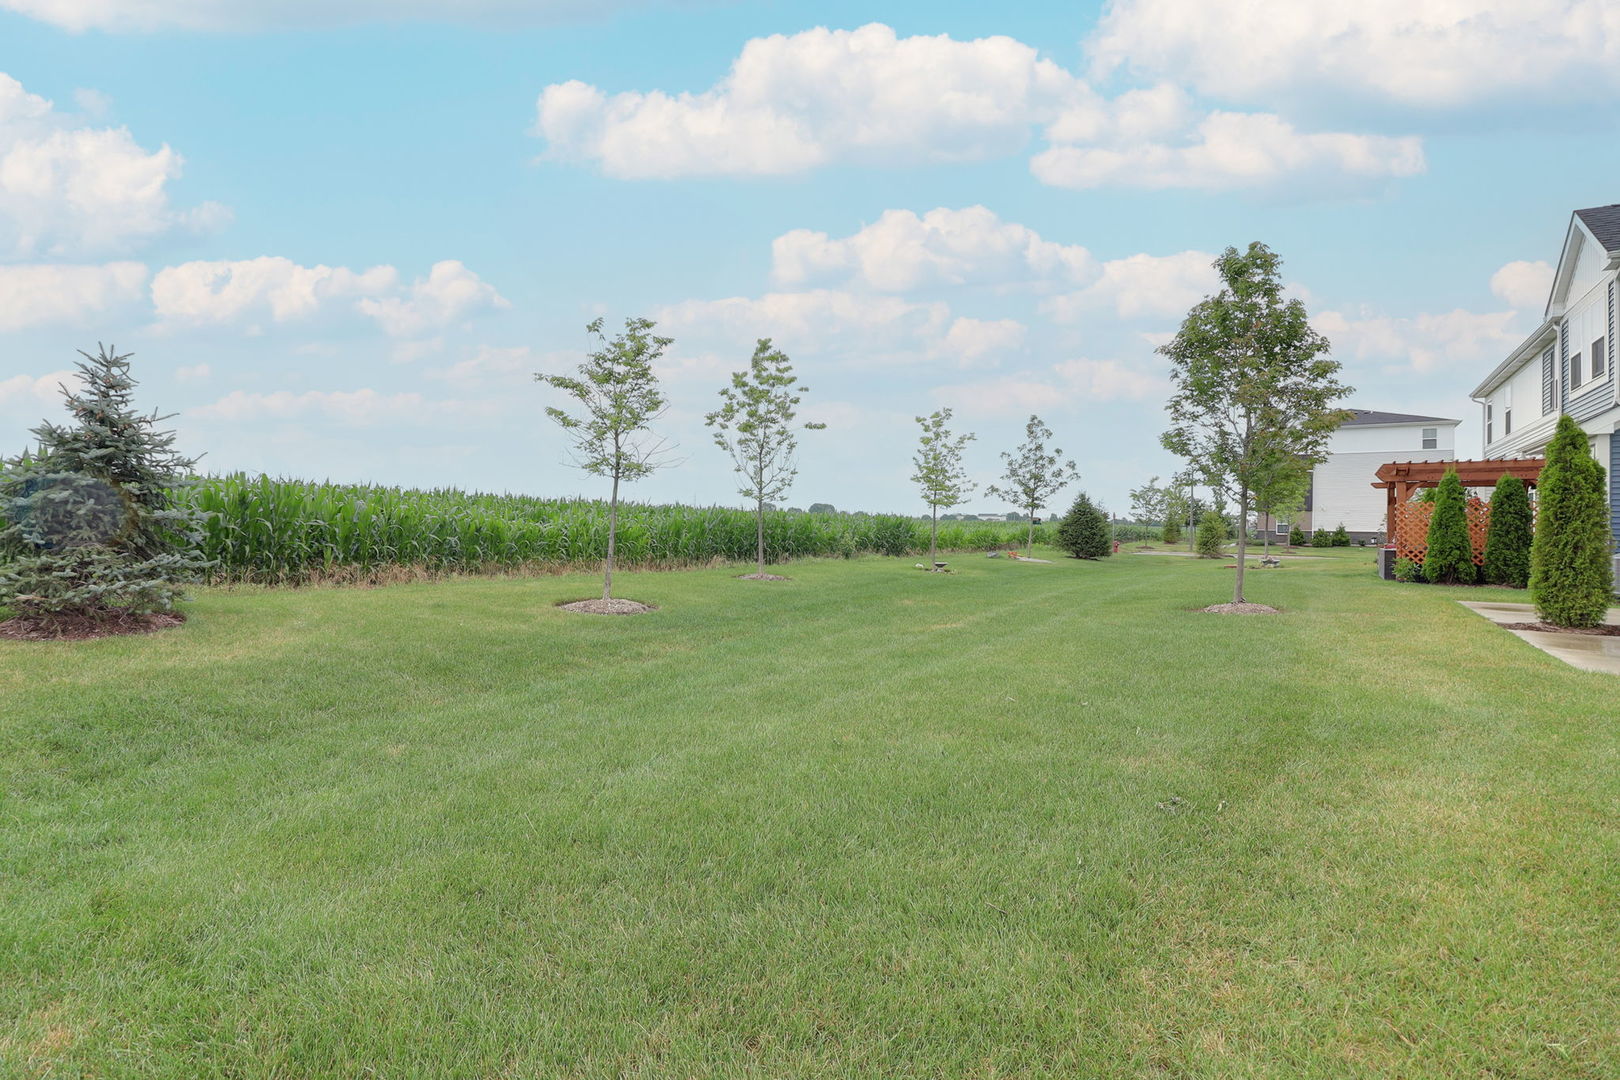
[(1023, 821)]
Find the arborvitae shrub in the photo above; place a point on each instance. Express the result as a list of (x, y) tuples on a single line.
[(1171, 533), (1211, 535), (1571, 577), (1296, 537), (1508, 540), (1083, 532), (1341, 536), (91, 517), (1449, 557), (1321, 538)]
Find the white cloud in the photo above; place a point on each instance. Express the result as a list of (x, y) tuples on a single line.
[(1110, 380), (358, 408), (1012, 395), (1524, 285), (194, 373), (902, 251), (1426, 343), (504, 366), (1231, 150), (1141, 286), (272, 287), (68, 190), (814, 320), (449, 293), (981, 343), (1427, 53), (25, 391), (219, 15), (791, 102), (34, 295), (1066, 385)]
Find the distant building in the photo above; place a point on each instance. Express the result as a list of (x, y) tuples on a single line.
[(1341, 490)]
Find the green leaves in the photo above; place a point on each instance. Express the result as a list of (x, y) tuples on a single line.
[(1571, 577), (755, 423), (940, 474), (1033, 475), (618, 398)]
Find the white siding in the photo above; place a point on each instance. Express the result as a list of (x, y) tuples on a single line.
[(1341, 486)]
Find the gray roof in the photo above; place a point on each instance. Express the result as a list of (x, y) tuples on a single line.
[(1604, 223), (1364, 417)]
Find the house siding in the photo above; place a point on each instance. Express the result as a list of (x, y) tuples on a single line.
[(1614, 490)]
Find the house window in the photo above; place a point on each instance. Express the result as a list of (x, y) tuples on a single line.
[(1431, 437), (1282, 528), (1597, 358), (1575, 379)]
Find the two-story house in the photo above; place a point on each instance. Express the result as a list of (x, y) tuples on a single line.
[(1567, 363), (1341, 491)]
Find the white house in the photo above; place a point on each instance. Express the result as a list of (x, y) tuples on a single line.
[(1567, 364), (1341, 490)]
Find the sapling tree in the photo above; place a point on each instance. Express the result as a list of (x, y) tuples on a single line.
[(618, 398), (1279, 490), (755, 424), (940, 475), (1253, 383), (91, 520), (1150, 502), (1033, 475)]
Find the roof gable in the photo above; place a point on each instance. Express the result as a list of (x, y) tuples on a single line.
[(1369, 417), (1591, 246), (1603, 222)]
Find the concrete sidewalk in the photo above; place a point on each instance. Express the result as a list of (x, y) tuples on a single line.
[(1588, 652)]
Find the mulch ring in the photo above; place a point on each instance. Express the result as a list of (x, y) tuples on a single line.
[(85, 627), (1549, 628), (1244, 608), (598, 606), (762, 577)]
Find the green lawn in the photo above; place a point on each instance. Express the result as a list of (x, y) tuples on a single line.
[(1023, 821)]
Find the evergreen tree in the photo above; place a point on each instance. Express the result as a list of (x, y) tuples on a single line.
[(1508, 540), (1449, 558), (1341, 536), (1211, 535), (1084, 532), (1571, 578), (91, 518), (1296, 537), (1171, 533)]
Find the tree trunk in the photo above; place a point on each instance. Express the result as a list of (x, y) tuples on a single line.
[(933, 541), (1192, 517), (1029, 540), (613, 536), (759, 520), (1242, 537)]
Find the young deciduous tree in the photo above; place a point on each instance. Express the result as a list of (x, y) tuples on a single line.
[(1253, 383), (94, 524), (1448, 558), (940, 474), (1033, 475), (619, 397), (1279, 490), (755, 425), (1571, 577), (1508, 539), (1150, 503), (1084, 531)]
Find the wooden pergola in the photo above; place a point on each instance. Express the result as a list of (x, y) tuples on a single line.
[(1401, 478)]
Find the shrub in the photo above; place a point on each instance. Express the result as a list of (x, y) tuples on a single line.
[(1296, 537), (1171, 533), (1341, 538), (1083, 532), (1211, 535), (1571, 579), (1321, 538), (1508, 540), (1449, 555), (1408, 570)]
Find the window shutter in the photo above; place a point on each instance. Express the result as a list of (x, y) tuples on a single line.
[(1548, 381), (1563, 364)]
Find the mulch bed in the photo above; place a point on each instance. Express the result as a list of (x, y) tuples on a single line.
[(85, 627), (1239, 609), (1549, 628), (614, 606), (762, 577)]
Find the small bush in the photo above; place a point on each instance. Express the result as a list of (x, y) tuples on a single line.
[(1341, 538), (1321, 538), (1211, 535), (1171, 533), (1296, 537), (1449, 558), (1408, 570)]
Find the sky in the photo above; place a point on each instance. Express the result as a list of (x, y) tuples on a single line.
[(340, 238)]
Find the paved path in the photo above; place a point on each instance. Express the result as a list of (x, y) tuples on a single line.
[(1253, 553), (1588, 652)]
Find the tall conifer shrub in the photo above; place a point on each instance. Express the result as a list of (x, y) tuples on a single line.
[(1449, 559), (1571, 578), (1508, 540), (1083, 532)]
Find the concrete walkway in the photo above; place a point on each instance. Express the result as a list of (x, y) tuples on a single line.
[(1588, 652), (1253, 553)]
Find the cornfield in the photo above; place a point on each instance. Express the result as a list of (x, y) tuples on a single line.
[(289, 532)]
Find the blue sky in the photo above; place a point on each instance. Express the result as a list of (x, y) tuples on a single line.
[(341, 237)]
